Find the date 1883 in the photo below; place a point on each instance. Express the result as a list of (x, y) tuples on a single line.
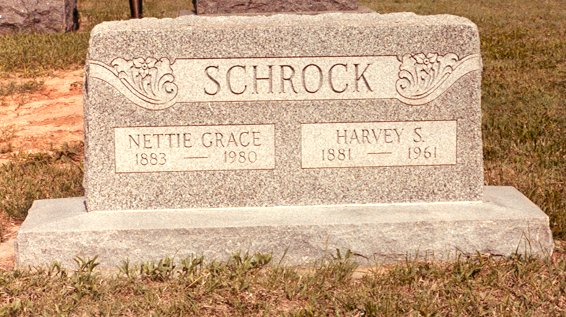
[(152, 159)]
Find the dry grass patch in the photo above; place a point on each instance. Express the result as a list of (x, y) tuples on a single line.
[(28, 177), (248, 285)]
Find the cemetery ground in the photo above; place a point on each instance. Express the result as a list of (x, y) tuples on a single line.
[(524, 126)]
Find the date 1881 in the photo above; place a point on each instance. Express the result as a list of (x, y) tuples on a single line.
[(336, 155)]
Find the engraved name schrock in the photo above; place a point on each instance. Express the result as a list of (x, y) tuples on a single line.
[(158, 83), (375, 144), (194, 148)]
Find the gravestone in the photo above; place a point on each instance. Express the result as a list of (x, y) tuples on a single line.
[(38, 16), (291, 134)]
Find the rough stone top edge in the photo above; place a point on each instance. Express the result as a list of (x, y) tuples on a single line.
[(281, 21)]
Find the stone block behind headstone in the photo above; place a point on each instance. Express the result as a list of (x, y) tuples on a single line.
[(38, 16), (266, 6)]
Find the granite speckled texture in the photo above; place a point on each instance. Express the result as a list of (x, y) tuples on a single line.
[(506, 222), (38, 16), (261, 6), (295, 38)]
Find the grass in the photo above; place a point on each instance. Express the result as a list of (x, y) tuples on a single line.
[(28, 177), (248, 285), (7, 134), (14, 87), (524, 122)]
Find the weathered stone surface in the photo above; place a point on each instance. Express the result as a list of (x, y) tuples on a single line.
[(283, 110), (265, 6), (59, 230), (38, 16)]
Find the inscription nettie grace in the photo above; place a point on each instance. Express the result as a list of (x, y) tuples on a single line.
[(194, 148), (406, 143)]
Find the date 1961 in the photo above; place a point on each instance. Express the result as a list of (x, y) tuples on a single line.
[(416, 153)]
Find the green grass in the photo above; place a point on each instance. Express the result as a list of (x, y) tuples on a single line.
[(28, 177), (246, 285)]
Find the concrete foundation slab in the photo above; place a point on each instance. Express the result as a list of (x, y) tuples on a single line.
[(504, 223)]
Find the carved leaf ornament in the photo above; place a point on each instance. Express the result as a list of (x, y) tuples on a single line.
[(148, 82), (150, 79), (421, 75)]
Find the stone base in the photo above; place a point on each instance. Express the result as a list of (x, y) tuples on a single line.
[(506, 222)]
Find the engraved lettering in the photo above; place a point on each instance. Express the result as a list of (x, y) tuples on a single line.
[(368, 136), (243, 141), (418, 137), (187, 140), (219, 137), (320, 77), (269, 79), (135, 141), (229, 80), (170, 138), (365, 136), (255, 135), (167, 83), (194, 148), (232, 140), (312, 78), (206, 139), (147, 141), (288, 78), (362, 76), (378, 144), (340, 136), (376, 134), (354, 137), (206, 70), (331, 78), (158, 139)]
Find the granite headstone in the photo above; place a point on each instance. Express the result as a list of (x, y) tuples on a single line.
[(330, 109), (290, 134)]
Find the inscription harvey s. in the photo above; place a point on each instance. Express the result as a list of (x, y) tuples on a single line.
[(405, 143), (157, 84), (194, 148)]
